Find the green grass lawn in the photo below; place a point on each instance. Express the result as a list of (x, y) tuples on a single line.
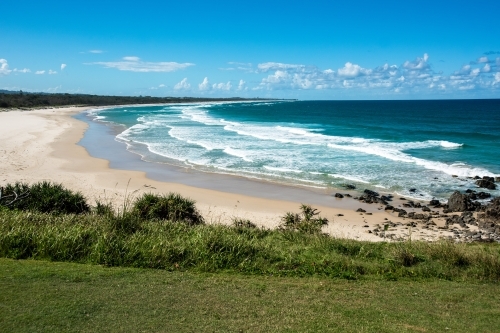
[(41, 296)]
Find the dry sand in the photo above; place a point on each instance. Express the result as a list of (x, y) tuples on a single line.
[(42, 145)]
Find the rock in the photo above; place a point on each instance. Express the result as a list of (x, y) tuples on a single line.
[(477, 177), (361, 210), (338, 195), (484, 183), (483, 195), (402, 213), (349, 186), (347, 195), (497, 179), (491, 179), (371, 193), (389, 207), (340, 214), (459, 202), (412, 190), (454, 176), (434, 203), (426, 209)]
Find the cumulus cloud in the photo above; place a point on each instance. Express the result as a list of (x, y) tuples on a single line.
[(496, 78), (242, 85), (4, 67), (39, 72), (51, 72), (352, 70), (205, 85), (63, 66), (135, 64), (222, 86), (411, 75), (96, 51), (183, 85)]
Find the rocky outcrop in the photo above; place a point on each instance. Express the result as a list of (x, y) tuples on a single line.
[(486, 182), (459, 202)]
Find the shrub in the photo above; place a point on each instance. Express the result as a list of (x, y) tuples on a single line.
[(44, 197), (171, 207), (243, 223), (307, 221)]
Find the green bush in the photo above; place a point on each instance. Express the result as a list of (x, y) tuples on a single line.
[(172, 207), (44, 197), (307, 221)]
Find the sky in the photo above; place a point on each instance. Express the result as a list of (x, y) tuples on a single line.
[(307, 50)]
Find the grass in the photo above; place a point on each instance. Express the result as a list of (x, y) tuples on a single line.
[(40, 296), (130, 241)]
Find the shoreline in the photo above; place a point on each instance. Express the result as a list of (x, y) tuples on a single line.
[(43, 144)]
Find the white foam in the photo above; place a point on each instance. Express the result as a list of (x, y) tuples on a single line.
[(238, 153)]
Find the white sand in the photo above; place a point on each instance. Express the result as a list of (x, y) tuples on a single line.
[(42, 145)]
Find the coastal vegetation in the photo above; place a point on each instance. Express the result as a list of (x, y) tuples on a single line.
[(155, 265), (167, 232), (20, 100)]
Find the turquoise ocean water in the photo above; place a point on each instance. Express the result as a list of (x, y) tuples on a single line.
[(392, 146)]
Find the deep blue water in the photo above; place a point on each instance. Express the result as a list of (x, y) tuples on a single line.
[(389, 145)]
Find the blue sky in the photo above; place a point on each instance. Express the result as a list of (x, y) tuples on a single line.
[(305, 50)]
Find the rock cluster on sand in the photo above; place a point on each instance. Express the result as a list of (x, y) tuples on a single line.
[(477, 222)]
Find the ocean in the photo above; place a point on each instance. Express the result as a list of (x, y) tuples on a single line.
[(416, 149)]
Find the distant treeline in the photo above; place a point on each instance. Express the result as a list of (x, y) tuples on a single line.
[(19, 99)]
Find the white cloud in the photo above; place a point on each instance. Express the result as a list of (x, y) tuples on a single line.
[(51, 72), (487, 68), (40, 72), (242, 85), (24, 70), (131, 59), (4, 67), (417, 64), (63, 66), (497, 78), (352, 70), (273, 66), (482, 60), (161, 86), (205, 85), (134, 64), (183, 85), (222, 86), (96, 51)]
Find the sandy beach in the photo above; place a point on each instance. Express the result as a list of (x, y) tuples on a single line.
[(42, 145)]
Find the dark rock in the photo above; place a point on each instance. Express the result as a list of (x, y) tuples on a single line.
[(389, 207), (349, 186), (469, 191), (338, 195), (486, 184), (454, 176), (347, 195), (477, 177), (426, 209), (483, 195), (371, 193), (459, 202), (386, 198), (491, 179), (402, 198), (361, 210), (434, 203), (413, 190), (497, 179), (340, 214), (402, 213)]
